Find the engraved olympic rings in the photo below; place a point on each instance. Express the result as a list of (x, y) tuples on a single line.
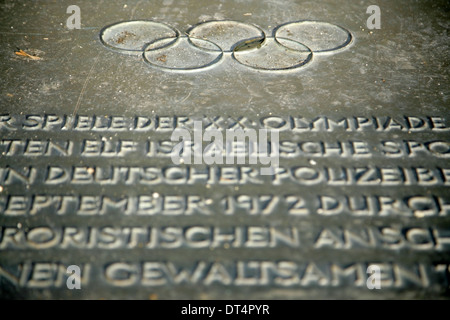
[(205, 45)]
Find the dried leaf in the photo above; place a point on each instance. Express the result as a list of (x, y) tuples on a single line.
[(27, 55)]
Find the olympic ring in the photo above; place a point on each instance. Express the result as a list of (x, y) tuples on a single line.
[(205, 45), (201, 54), (130, 37), (226, 33), (332, 37)]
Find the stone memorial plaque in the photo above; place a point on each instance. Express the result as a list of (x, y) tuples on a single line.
[(224, 149)]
